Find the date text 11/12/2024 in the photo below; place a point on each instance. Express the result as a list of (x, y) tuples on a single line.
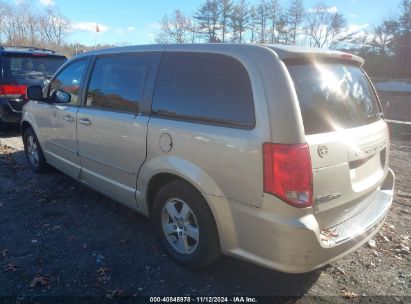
[(205, 299)]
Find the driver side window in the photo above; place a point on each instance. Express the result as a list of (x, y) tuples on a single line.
[(69, 81)]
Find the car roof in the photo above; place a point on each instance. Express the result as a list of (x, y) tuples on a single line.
[(23, 50), (282, 51)]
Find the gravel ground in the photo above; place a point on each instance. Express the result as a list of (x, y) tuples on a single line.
[(59, 238)]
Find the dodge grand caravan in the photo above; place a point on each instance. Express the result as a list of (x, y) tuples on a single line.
[(273, 154)]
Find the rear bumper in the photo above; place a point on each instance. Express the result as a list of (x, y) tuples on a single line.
[(296, 244), (7, 114)]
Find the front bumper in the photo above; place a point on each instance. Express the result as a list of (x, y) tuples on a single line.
[(296, 244)]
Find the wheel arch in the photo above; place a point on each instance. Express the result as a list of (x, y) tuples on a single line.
[(29, 121), (24, 126), (163, 169), (157, 172)]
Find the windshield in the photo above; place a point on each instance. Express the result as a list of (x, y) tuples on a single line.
[(29, 70), (333, 96)]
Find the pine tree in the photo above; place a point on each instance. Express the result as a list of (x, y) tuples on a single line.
[(273, 16), (208, 20), (262, 15), (239, 21), (225, 8), (296, 15)]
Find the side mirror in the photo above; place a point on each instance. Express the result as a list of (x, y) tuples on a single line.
[(35, 93), (61, 96)]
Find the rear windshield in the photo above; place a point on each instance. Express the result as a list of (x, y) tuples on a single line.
[(29, 69), (333, 96)]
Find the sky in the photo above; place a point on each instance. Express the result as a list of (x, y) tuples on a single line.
[(137, 21)]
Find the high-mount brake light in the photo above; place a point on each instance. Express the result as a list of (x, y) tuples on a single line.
[(346, 56)]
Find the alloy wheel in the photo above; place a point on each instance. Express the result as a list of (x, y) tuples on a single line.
[(180, 226)]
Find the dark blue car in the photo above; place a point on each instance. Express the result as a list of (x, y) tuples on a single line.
[(21, 67)]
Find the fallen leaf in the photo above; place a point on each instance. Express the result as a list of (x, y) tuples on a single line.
[(102, 271), (341, 270), (398, 257), (115, 293), (346, 294), (39, 279), (372, 243), (387, 240), (327, 235), (56, 228), (102, 275), (123, 242), (5, 253), (12, 267)]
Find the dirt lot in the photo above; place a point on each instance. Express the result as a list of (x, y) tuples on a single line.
[(59, 238)]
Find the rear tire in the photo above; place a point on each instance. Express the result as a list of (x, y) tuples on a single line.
[(33, 151), (185, 225)]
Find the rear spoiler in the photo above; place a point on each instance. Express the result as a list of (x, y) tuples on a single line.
[(313, 54)]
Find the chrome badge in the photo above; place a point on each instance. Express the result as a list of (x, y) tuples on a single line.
[(328, 197), (322, 151)]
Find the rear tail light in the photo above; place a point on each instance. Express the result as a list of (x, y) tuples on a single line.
[(288, 173), (13, 91)]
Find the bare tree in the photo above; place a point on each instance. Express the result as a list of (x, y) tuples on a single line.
[(24, 24), (176, 28), (296, 13), (21, 26), (323, 27), (405, 17), (4, 11), (194, 29), (53, 27), (403, 40)]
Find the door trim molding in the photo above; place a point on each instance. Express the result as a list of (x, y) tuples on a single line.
[(107, 164), (63, 147)]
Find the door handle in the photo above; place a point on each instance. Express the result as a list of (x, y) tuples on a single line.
[(68, 118), (85, 121)]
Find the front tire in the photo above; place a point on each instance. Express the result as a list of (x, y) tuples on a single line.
[(185, 225), (33, 151)]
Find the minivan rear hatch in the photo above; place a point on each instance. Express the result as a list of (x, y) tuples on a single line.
[(347, 137)]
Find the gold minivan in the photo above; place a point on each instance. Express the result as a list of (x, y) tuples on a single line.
[(277, 155)]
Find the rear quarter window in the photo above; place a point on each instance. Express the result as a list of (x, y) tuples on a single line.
[(204, 87)]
